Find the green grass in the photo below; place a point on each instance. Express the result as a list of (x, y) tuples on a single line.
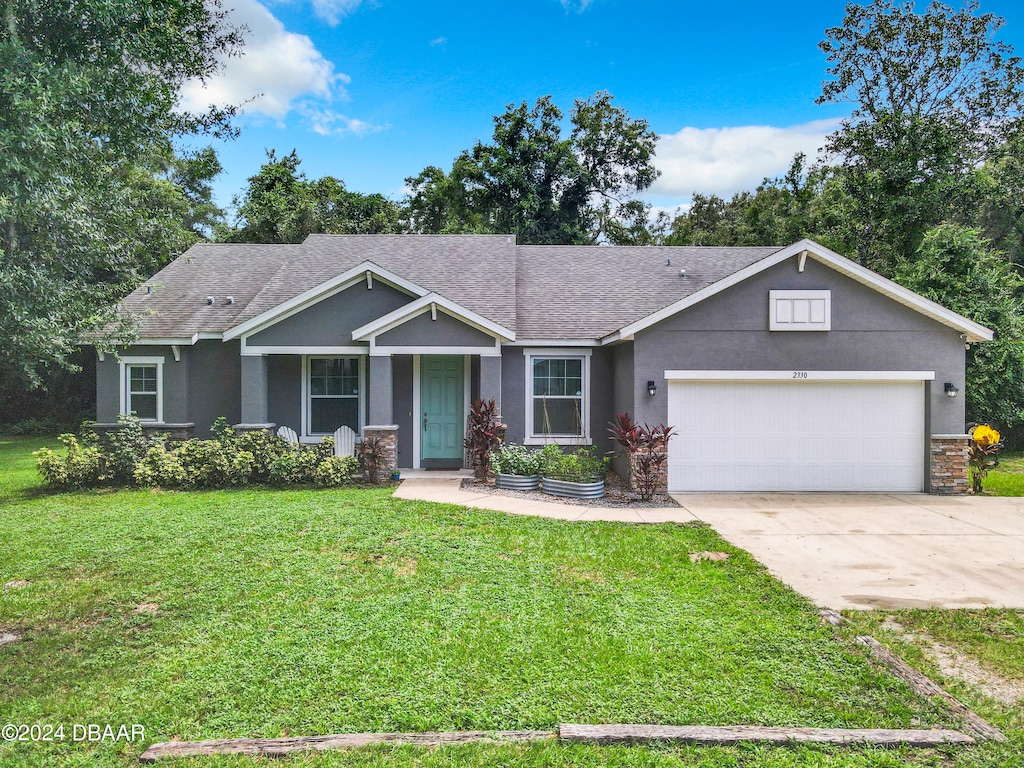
[(1008, 478), (307, 612)]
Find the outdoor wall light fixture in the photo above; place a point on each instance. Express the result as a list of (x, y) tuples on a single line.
[(652, 388), (951, 389)]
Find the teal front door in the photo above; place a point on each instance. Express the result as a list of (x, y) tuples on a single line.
[(442, 394)]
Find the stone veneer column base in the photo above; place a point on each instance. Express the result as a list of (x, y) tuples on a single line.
[(662, 485), (388, 435), (949, 457)]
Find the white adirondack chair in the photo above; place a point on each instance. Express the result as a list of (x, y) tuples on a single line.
[(288, 435), (344, 441)]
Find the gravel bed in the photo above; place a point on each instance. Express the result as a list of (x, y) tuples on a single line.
[(616, 494)]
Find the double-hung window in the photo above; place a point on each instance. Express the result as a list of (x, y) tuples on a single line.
[(142, 387), (558, 401), (334, 394)]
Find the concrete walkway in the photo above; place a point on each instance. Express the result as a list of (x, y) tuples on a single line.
[(840, 550), (448, 491)]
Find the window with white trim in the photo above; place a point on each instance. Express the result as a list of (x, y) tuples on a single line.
[(558, 396), (141, 387), (334, 394)]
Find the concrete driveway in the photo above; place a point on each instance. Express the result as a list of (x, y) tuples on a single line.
[(879, 551)]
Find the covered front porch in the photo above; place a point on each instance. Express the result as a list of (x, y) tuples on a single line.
[(418, 401)]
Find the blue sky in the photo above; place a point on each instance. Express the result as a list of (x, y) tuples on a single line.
[(372, 92)]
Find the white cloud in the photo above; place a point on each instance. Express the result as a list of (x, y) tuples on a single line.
[(438, 41), (327, 122), (723, 161), (280, 65), (332, 11), (579, 6)]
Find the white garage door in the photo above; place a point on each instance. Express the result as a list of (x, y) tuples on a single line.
[(796, 436)]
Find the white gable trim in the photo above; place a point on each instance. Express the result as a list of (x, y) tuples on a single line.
[(320, 292), (430, 303), (906, 297)]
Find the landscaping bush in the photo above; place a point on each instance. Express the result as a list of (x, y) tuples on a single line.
[(126, 447), (646, 451), (265, 449), (371, 451), (230, 459), (160, 467), (514, 459), (336, 471), (80, 467), (579, 466), (213, 464), (484, 434), (296, 466)]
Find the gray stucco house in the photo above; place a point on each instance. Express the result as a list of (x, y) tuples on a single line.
[(780, 368)]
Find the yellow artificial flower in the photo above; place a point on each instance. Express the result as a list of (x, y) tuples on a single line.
[(984, 435)]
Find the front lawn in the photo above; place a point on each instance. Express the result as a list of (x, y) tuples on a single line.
[(1007, 479), (266, 613)]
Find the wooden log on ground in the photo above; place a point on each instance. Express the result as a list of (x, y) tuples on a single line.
[(973, 722), (285, 745), (702, 735)]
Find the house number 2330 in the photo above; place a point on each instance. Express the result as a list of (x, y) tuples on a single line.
[(799, 374)]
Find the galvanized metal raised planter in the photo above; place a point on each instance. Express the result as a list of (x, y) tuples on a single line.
[(517, 482), (553, 487)]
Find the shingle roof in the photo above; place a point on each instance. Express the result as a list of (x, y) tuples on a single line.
[(569, 292), (541, 292)]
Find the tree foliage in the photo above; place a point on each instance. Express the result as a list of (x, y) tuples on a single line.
[(282, 206), (87, 107), (934, 95), (956, 268), (541, 185)]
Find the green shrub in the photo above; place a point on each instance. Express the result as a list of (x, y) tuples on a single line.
[(212, 464), (265, 449), (80, 467), (221, 430), (126, 447), (580, 466), (160, 467), (335, 471), (296, 467), (513, 459)]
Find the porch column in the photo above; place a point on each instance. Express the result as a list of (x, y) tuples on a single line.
[(378, 392), (254, 389), (490, 379)]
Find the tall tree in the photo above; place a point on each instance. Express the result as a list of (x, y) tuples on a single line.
[(541, 185), (933, 95), (956, 267), (281, 205), (88, 98)]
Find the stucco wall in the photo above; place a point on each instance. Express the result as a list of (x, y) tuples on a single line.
[(401, 391), (603, 398), (729, 331), (513, 396), (214, 369), (622, 390), (331, 321), (284, 391), (446, 331), (175, 382)]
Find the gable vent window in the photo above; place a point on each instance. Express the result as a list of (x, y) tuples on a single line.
[(800, 310)]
